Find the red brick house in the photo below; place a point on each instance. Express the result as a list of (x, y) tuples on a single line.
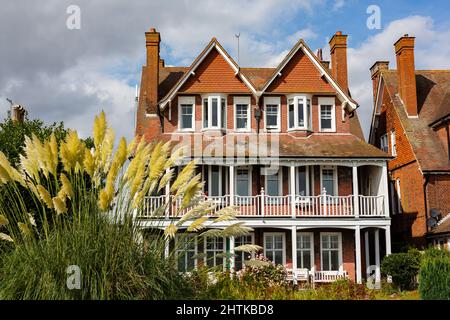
[(284, 145), (410, 120)]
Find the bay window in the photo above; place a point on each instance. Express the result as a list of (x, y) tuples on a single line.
[(186, 111), (299, 112), (214, 112), (242, 113), (331, 251), (327, 119), (272, 113)]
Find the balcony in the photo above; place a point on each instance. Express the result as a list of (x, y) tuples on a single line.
[(265, 206)]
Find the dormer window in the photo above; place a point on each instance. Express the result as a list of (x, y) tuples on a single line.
[(214, 112), (299, 112)]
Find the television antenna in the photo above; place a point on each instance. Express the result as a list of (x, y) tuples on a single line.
[(237, 36)]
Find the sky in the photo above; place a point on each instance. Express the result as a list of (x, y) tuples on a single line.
[(66, 74)]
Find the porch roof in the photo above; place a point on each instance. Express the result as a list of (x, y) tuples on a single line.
[(335, 146)]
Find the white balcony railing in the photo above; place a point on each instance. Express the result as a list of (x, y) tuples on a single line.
[(263, 205)]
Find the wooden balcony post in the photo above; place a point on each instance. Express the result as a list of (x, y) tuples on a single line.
[(232, 258), (324, 202), (385, 188), (355, 191), (294, 253), (388, 239), (367, 251), (292, 187), (167, 198), (232, 187), (358, 254), (263, 202), (377, 257)]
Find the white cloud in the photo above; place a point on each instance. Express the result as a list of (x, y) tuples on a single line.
[(338, 4), (432, 50)]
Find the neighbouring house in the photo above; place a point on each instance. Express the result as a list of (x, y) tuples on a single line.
[(411, 121), (284, 145)]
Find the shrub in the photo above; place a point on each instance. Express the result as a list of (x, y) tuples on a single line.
[(403, 267), (434, 283)]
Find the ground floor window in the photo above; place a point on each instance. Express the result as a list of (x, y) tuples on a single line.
[(214, 251), (331, 251), (305, 250), (274, 247), (240, 257), (186, 251)]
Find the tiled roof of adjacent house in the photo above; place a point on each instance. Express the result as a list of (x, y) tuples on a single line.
[(433, 90), (286, 145), (443, 226)]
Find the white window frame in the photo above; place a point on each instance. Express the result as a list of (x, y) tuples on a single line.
[(266, 234), (241, 253), (242, 101), (280, 180), (205, 251), (183, 100), (219, 98), (327, 101), (393, 144), (303, 98), (340, 254), (384, 145), (272, 101), (335, 179), (311, 237), (250, 171), (177, 250)]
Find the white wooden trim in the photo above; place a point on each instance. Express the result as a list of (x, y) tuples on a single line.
[(186, 100), (272, 101), (284, 243), (307, 116), (242, 100), (311, 236), (177, 236), (327, 101), (339, 234), (358, 261), (224, 250), (219, 97)]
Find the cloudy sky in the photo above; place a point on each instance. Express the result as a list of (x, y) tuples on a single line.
[(67, 75)]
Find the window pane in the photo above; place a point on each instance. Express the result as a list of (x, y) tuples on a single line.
[(328, 181), (308, 114), (242, 182), (271, 116), (214, 181), (273, 185), (301, 116), (334, 260), (302, 181), (291, 113), (223, 114), (205, 113), (326, 116), (241, 116), (278, 257), (306, 255), (326, 260), (269, 243), (214, 112)]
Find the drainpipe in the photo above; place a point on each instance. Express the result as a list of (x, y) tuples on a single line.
[(425, 184), (258, 113)]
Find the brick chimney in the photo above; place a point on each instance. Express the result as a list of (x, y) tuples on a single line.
[(152, 41), (375, 72), (338, 51), (404, 50)]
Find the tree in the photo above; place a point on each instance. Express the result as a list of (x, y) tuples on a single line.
[(13, 133)]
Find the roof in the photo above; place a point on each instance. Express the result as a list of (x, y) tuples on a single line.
[(433, 89), (443, 226), (256, 79), (285, 145)]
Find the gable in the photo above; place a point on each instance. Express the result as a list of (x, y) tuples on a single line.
[(214, 74), (300, 75)]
